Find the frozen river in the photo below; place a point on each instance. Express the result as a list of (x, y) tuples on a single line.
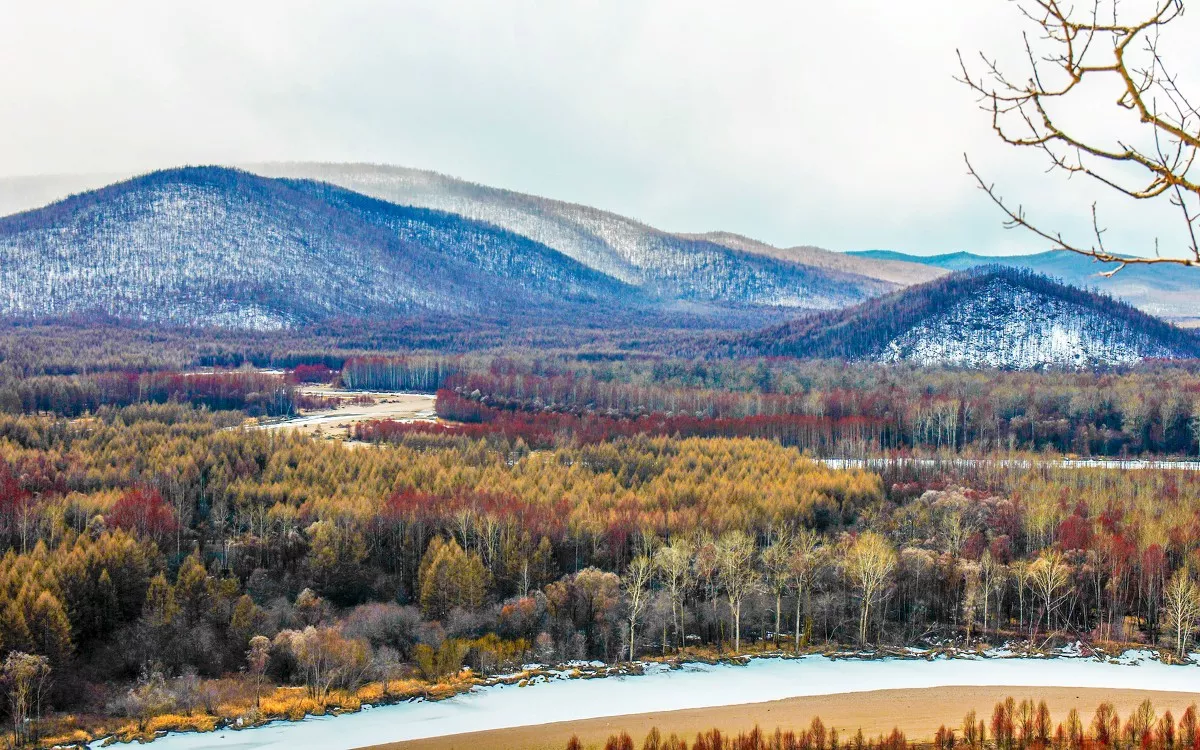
[(694, 686)]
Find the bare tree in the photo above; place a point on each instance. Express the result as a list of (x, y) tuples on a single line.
[(1182, 608), (869, 562), (737, 576), (636, 584), (26, 677), (1048, 576), (257, 659), (674, 565), (776, 559), (806, 563), (992, 575), (973, 592), (1074, 48)]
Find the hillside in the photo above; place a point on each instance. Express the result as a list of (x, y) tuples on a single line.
[(893, 271), (692, 267), (213, 246), (1163, 291), (987, 317), (219, 247)]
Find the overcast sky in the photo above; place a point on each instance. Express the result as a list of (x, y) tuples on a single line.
[(829, 123)]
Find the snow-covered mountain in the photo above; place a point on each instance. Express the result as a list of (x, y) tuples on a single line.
[(212, 246), (719, 266), (1164, 291), (988, 317), (219, 247)]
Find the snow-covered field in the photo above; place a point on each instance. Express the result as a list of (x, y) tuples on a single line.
[(694, 686)]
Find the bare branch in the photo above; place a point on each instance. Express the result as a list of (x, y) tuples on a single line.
[(1023, 115)]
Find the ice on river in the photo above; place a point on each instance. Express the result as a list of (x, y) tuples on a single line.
[(693, 686)]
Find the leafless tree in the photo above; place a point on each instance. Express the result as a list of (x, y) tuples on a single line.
[(1071, 48), (1182, 608), (806, 564), (1048, 577), (674, 565), (26, 676), (737, 576), (636, 584), (869, 561)]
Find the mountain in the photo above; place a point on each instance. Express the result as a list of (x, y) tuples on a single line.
[(1164, 291), (897, 272), (213, 246), (219, 247), (991, 316), (679, 266)]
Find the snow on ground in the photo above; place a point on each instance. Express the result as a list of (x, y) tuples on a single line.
[(693, 686)]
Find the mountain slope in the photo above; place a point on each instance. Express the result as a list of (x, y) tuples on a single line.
[(690, 267), (898, 272), (213, 246), (988, 317), (1165, 291)]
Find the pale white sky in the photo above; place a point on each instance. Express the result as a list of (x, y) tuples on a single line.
[(805, 122)]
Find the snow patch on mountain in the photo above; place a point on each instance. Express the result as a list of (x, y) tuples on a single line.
[(1010, 326), (668, 265)]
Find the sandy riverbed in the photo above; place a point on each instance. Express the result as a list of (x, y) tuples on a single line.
[(336, 422), (916, 712)]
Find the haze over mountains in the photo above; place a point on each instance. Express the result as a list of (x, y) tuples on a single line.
[(1165, 291), (289, 245)]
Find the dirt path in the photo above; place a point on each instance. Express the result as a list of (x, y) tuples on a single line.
[(918, 713)]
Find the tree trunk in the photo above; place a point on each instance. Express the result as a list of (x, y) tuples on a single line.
[(797, 622), (778, 611)]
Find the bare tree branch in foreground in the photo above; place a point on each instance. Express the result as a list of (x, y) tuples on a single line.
[(1074, 48)]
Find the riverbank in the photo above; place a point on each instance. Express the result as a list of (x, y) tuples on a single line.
[(916, 712), (522, 702)]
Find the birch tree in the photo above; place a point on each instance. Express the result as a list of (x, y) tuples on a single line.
[(674, 565), (636, 584), (869, 563), (737, 576), (1182, 608)]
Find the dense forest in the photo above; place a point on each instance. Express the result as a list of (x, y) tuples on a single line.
[(154, 554), (822, 407), (168, 565)]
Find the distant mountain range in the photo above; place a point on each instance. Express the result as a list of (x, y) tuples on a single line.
[(214, 246), (365, 247), (988, 316), (1169, 292), (711, 266)]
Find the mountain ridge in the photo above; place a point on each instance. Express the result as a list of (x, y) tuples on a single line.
[(224, 247), (991, 316)]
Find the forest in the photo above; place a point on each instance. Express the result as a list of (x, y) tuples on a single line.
[(166, 565)]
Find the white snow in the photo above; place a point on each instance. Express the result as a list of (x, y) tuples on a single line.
[(694, 686), (617, 246), (1007, 325)]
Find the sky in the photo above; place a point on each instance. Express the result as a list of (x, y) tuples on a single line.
[(836, 124)]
